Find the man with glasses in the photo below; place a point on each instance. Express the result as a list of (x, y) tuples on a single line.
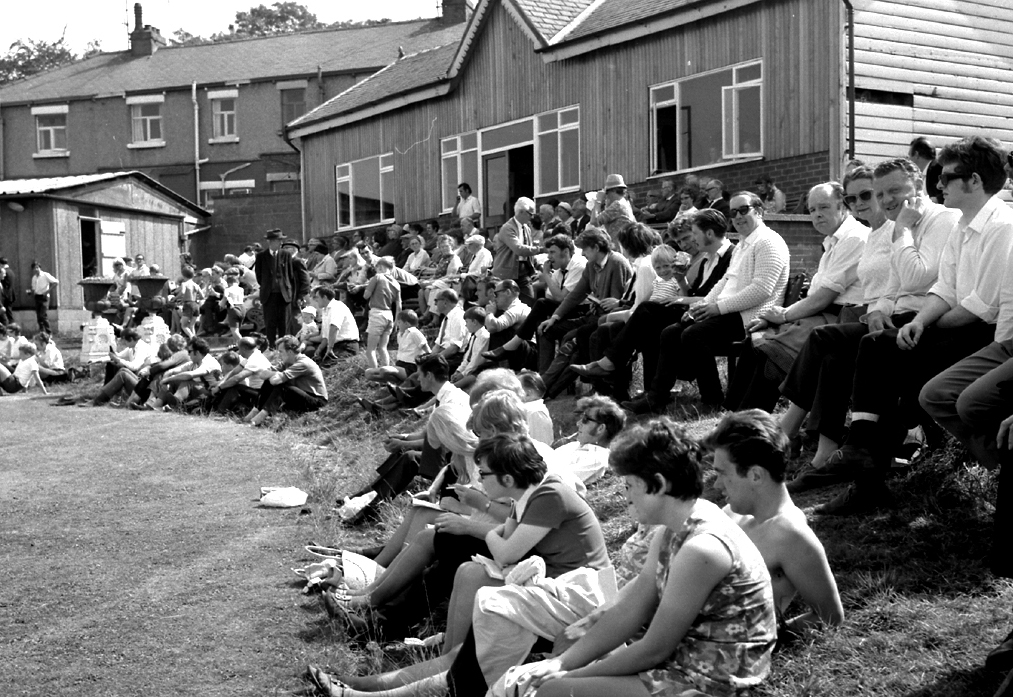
[(715, 192), (958, 318), (513, 247), (506, 313), (754, 283)]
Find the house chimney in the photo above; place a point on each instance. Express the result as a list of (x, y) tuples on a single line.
[(454, 11), (144, 39)]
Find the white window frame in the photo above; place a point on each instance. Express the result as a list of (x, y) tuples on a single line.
[(51, 131), (457, 154), (559, 130), (386, 166), (727, 156), (220, 133)]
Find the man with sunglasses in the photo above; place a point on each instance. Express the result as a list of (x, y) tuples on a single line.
[(957, 319), (754, 283)]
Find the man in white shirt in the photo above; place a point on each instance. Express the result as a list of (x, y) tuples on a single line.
[(42, 282), (238, 391), (754, 283), (468, 206), (190, 379), (248, 258), (958, 318), (506, 313), (453, 335), (338, 331)]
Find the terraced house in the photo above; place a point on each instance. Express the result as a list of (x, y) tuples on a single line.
[(546, 97)]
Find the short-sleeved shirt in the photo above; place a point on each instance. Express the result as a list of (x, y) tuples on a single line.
[(384, 294), (337, 313), (23, 372), (257, 362), (50, 357), (574, 539), (410, 343)]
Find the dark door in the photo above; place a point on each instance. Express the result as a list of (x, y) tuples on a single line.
[(507, 176)]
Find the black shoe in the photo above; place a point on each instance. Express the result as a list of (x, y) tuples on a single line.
[(858, 499), (400, 395), (644, 404), (1000, 659), (842, 466), (495, 354)]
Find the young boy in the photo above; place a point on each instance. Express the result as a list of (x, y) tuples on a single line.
[(232, 303), (411, 343), (50, 359), (25, 375), (309, 332), (12, 356), (539, 421), (189, 296), (384, 297), (471, 364)]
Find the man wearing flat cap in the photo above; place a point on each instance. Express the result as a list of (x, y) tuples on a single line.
[(283, 280)]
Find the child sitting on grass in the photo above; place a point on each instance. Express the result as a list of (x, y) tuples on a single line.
[(384, 297), (189, 296), (50, 359), (25, 375), (309, 333), (471, 364), (539, 421), (411, 343), (232, 303), (15, 341)]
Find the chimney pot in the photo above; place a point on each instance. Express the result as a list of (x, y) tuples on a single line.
[(138, 26)]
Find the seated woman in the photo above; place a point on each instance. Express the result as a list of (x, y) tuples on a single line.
[(299, 387), (548, 520), (704, 594)]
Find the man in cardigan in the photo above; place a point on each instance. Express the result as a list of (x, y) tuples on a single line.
[(282, 281), (754, 283), (513, 247)]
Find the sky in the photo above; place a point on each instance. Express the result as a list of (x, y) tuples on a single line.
[(105, 20)]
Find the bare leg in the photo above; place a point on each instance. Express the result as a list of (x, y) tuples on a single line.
[(627, 685), (403, 676), (372, 341), (824, 450), (469, 578), (791, 422), (409, 566), (414, 522), (427, 687)]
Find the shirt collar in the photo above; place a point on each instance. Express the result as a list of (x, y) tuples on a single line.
[(981, 218)]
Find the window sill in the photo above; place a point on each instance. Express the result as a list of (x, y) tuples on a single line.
[(366, 226), (223, 139), (148, 144), (712, 165), (51, 154)]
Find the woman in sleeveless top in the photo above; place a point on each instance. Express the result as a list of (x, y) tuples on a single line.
[(704, 594)]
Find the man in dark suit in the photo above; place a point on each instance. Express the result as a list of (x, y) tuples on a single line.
[(664, 210), (716, 200), (580, 217), (283, 280)]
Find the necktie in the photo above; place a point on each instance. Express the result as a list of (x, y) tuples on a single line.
[(443, 330), (467, 353), (562, 277)]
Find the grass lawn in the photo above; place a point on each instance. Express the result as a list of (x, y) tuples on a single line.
[(134, 559)]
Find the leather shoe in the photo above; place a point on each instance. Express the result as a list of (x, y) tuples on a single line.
[(644, 404), (590, 370), (397, 393), (859, 498), (494, 355), (1000, 658), (838, 470)]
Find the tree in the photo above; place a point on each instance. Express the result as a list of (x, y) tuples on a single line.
[(280, 18), (26, 58)]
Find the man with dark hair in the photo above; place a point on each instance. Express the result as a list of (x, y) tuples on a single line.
[(298, 387), (282, 282), (468, 206), (923, 154), (189, 381), (7, 293), (958, 318), (750, 456), (339, 334), (42, 283), (505, 313), (238, 391)]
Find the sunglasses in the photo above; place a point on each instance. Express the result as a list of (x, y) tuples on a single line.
[(852, 199), (946, 177), (482, 474), (741, 210)]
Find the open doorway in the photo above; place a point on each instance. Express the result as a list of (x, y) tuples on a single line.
[(89, 248), (508, 175)]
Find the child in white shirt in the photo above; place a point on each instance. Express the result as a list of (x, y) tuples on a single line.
[(26, 375), (49, 358), (232, 303), (474, 322), (411, 343), (309, 331), (17, 340)]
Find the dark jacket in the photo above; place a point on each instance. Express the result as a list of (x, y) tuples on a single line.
[(289, 277)]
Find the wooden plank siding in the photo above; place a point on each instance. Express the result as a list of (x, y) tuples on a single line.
[(504, 79), (954, 59)]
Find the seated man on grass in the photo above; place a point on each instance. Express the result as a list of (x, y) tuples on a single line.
[(298, 387), (50, 359), (238, 391), (191, 380), (25, 375)]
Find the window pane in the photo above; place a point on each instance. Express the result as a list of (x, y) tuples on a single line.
[(666, 137), (701, 113), (344, 218), (728, 97), (548, 166), (366, 191), (151, 109), (448, 145), (139, 136), (450, 181), (662, 94), (749, 72), (506, 135), (226, 104), (569, 143), (749, 120), (386, 161), (60, 138), (469, 141), (469, 170), (569, 116), (342, 171), (548, 122), (155, 129), (387, 199)]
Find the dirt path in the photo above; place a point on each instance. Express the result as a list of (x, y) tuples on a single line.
[(135, 560)]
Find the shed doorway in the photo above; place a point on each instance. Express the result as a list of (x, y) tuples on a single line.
[(89, 248), (506, 176)]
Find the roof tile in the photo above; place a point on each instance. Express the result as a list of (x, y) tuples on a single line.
[(613, 13), (551, 16)]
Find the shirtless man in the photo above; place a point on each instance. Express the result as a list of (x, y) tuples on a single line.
[(750, 453)]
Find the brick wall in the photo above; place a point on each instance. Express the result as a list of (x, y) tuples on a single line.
[(243, 219), (804, 243)]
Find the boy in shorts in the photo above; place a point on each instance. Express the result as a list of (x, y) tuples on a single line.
[(411, 343), (189, 296), (384, 297)]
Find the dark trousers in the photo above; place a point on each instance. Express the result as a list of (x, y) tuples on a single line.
[(42, 311), (690, 350), (273, 398), (541, 311), (755, 383), (277, 317), (465, 677), (642, 332), (124, 379), (618, 383), (235, 398), (970, 399)]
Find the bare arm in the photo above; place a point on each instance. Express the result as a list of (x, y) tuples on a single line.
[(807, 569)]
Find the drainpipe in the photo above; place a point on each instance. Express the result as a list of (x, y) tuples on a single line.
[(851, 78), (1, 145), (234, 169), (196, 139)]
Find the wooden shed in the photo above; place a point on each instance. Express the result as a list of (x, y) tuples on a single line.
[(75, 226)]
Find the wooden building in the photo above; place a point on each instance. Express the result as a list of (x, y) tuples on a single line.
[(545, 98), (75, 226)]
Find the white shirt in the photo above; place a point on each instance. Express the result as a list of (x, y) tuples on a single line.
[(477, 343), (469, 207), (515, 313), (257, 362), (415, 261), (451, 395), (574, 269), (452, 329), (41, 282), (539, 421), (874, 266), (757, 275), (589, 462), (248, 260), (23, 373), (337, 314), (410, 343), (974, 261), (135, 358), (481, 263), (50, 357), (838, 267)]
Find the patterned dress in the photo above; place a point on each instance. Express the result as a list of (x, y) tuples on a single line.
[(729, 644)]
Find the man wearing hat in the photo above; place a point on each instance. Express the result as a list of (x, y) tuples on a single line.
[(283, 280), (613, 211), (564, 214)]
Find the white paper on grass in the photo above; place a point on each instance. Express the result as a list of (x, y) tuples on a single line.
[(282, 497)]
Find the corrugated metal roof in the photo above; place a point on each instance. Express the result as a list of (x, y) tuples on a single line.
[(402, 76), (333, 50), (612, 14), (46, 185)]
